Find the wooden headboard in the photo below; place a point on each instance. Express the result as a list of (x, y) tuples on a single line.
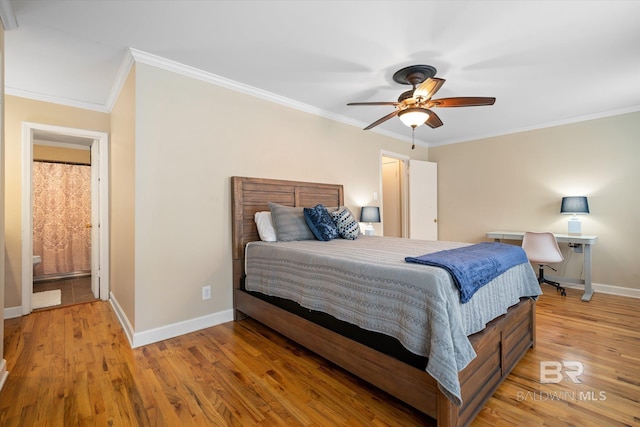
[(251, 195)]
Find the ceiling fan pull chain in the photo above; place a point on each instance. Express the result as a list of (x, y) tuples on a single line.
[(413, 135)]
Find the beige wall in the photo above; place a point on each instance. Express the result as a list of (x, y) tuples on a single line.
[(515, 182), (176, 141), (17, 111), (122, 198), (174, 144), (191, 137)]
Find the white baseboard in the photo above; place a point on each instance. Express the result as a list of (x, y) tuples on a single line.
[(137, 339), (11, 312), (3, 373), (124, 320), (607, 289)]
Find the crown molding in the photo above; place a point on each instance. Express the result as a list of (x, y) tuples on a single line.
[(121, 77), (55, 99), (8, 16), (188, 71), (604, 114), (133, 55)]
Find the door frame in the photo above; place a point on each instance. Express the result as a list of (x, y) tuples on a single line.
[(99, 147), (403, 188)]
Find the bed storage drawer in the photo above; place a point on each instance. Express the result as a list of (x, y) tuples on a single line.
[(517, 337)]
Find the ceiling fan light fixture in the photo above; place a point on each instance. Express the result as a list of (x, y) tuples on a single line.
[(413, 105), (414, 117)]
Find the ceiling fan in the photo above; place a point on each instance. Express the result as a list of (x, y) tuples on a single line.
[(414, 106)]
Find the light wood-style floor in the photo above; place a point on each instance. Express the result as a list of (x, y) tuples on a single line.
[(73, 366)]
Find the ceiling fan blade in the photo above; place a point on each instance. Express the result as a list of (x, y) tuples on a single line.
[(428, 88), (463, 101), (382, 119), (433, 121), (374, 103)]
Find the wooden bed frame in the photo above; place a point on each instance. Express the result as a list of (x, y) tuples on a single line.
[(499, 346)]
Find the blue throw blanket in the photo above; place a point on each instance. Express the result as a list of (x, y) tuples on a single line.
[(474, 266)]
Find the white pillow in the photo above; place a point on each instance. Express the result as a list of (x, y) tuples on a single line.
[(266, 230)]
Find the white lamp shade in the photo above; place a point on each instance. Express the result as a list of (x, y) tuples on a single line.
[(414, 117)]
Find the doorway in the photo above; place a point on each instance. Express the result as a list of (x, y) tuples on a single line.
[(394, 194), (393, 176), (409, 197), (79, 139)]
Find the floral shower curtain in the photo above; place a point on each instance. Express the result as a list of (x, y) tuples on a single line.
[(61, 213)]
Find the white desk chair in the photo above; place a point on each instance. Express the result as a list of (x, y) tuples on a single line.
[(542, 249)]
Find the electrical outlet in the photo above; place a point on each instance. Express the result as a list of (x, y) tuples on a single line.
[(206, 292)]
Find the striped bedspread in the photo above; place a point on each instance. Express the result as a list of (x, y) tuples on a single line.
[(367, 282)]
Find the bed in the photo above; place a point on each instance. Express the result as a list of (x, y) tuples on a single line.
[(498, 347)]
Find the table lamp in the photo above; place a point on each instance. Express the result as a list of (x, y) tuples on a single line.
[(574, 205), (369, 214)]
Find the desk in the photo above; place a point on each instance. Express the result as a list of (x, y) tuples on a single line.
[(584, 239)]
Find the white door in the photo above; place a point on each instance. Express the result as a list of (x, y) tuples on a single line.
[(95, 219), (423, 200)]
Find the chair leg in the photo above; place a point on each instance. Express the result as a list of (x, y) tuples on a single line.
[(541, 280)]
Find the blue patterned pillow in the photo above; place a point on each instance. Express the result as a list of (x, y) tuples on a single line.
[(348, 227), (320, 223)]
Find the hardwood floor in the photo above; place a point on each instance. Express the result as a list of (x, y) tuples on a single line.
[(73, 366), (604, 337)]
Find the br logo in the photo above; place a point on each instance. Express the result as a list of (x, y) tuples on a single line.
[(554, 372)]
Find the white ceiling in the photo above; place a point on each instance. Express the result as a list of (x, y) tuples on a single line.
[(546, 62)]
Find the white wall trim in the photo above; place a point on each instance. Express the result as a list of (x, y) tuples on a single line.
[(185, 70), (138, 339), (3, 373), (188, 71), (55, 99), (176, 329), (12, 312), (27, 216), (121, 78), (572, 120), (195, 73), (100, 138), (387, 153), (606, 289), (133, 55), (122, 317)]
